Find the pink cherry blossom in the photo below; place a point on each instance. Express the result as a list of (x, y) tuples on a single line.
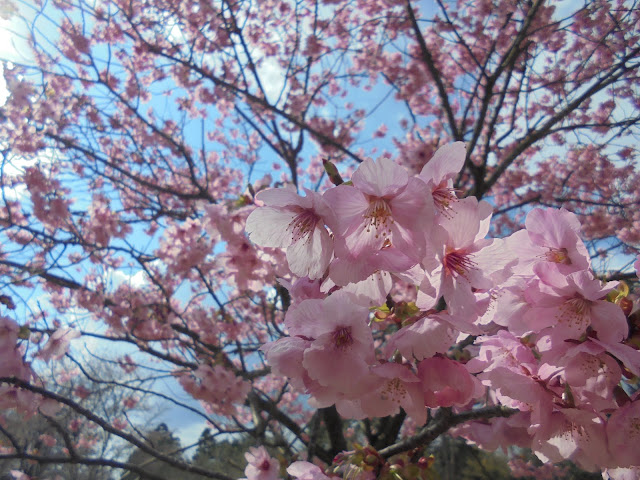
[(629, 356), (217, 387), (383, 207), (424, 338), (564, 307), (592, 379), (131, 142), (552, 236), (58, 344), (302, 289), (623, 433), (573, 434), (446, 383), (439, 173), (330, 348), (370, 292), (465, 261), (342, 346), (498, 432), (510, 368), (306, 471), (296, 223), (285, 357), (348, 268), (507, 304), (261, 465), (399, 387)]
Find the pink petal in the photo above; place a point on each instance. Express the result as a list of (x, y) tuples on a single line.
[(282, 197), (310, 256), (381, 178), (445, 163), (267, 227)]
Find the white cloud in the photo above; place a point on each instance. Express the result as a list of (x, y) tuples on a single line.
[(138, 279), (13, 34)]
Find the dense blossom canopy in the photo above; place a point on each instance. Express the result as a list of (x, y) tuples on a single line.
[(342, 228)]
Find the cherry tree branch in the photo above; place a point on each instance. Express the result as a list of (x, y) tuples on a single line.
[(81, 460), (89, 415), (612, 76), (442, 422), (435, 73)]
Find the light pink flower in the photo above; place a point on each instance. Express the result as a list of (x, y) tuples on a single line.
[(510, 369), (498, 432), (506, 305), (592, 379), (384, 207), (58, 344), (465, 261), (423, 339), (297, 223), (565, 306), (576, 435), (370, 292), (341, 346), (439, 173), (623, 432), (330, 349), (628, 355), (261, 465), (446, 383), (285, 357), (302, 288), (397, 387), (218, 388), (348, 268), (306, 471), (553, 236)]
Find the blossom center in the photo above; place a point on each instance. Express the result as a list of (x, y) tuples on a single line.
[(457, 262), (443, 198), (265, 465), (576, 312), (557, 255), (302, 225), (394, 391), (378, 216), (342, 338)]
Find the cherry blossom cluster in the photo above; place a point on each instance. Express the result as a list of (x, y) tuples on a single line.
[(520, 321), (13, 365)]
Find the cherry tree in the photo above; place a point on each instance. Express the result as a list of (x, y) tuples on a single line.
[(310, 215)]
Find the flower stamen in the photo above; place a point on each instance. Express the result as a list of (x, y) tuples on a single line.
[(342, 338), (557, 255), (378, 216), (457, 262), (443, 199), (302, 226), (576, 312)]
